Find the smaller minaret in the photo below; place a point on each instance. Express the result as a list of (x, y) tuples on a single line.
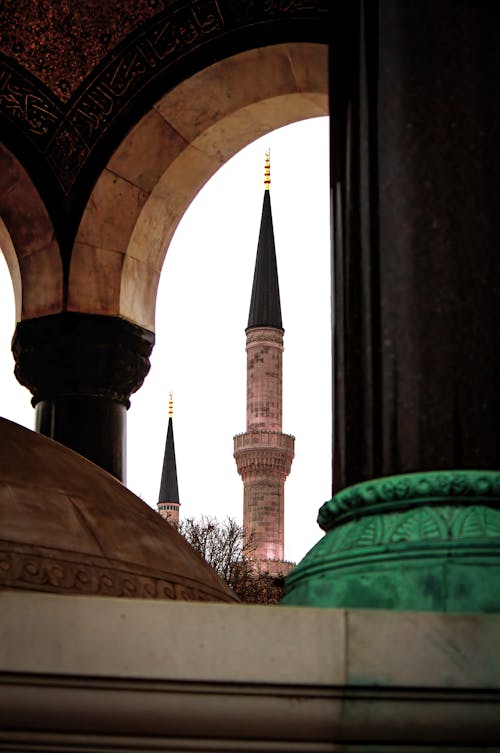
[(168, 499)]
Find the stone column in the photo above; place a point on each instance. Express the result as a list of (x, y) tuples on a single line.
[(416, 187), (81, 370)]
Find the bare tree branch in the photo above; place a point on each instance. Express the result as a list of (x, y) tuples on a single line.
[(224, 545)]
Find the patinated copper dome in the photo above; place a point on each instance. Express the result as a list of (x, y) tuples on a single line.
[(69, 527)]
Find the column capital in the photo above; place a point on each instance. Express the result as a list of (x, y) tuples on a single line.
[(81, 355)]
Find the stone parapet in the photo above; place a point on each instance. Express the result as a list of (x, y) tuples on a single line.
[(265, 439), (74, 676)]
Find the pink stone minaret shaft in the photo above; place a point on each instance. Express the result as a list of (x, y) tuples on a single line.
[(263, 453)]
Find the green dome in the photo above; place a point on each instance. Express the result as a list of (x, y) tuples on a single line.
[(420, 541)]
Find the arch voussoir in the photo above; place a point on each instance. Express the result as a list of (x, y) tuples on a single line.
[(166, 159), (28, 242)]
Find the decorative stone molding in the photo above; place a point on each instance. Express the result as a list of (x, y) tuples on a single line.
[(265, 335), (257, 462), (265, 452), (72, 354), (60, 571)]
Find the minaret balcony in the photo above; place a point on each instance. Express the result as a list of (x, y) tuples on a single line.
[(263, 452), (264, 439)]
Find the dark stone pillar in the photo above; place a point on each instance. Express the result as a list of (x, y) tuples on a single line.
[(416, 190), (415, 518), (81, 370)]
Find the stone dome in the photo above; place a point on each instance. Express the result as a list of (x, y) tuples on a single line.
[(70, 527)]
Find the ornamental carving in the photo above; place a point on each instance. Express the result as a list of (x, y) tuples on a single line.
[(259, 461), (112, 356), (437, 526), (256, 336), (39, 37), (106, 72), (265, 452), (402, 558), (55, 572), (392, 493), (26, 104), (285, 7)]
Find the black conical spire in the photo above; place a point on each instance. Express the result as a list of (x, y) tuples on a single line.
[(169, 490), (265, 307)]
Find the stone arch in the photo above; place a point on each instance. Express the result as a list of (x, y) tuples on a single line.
[(169, 155), (28, 242)]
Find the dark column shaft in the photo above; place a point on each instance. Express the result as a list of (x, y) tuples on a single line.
[(82, 370), (92, 426), (416, 190)]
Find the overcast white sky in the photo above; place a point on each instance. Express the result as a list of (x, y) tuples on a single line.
[(201, 315)]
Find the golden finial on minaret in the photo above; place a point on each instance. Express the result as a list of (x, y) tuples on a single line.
[(267, 170), (171, 405)]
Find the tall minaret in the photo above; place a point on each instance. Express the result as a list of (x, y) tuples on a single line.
[(168, 499), (263, 453)]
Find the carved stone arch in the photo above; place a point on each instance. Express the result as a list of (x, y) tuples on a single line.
[(28, 242), (169, 155)]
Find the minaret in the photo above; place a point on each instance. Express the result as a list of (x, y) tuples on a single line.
[(168, 499), (263, 453)]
